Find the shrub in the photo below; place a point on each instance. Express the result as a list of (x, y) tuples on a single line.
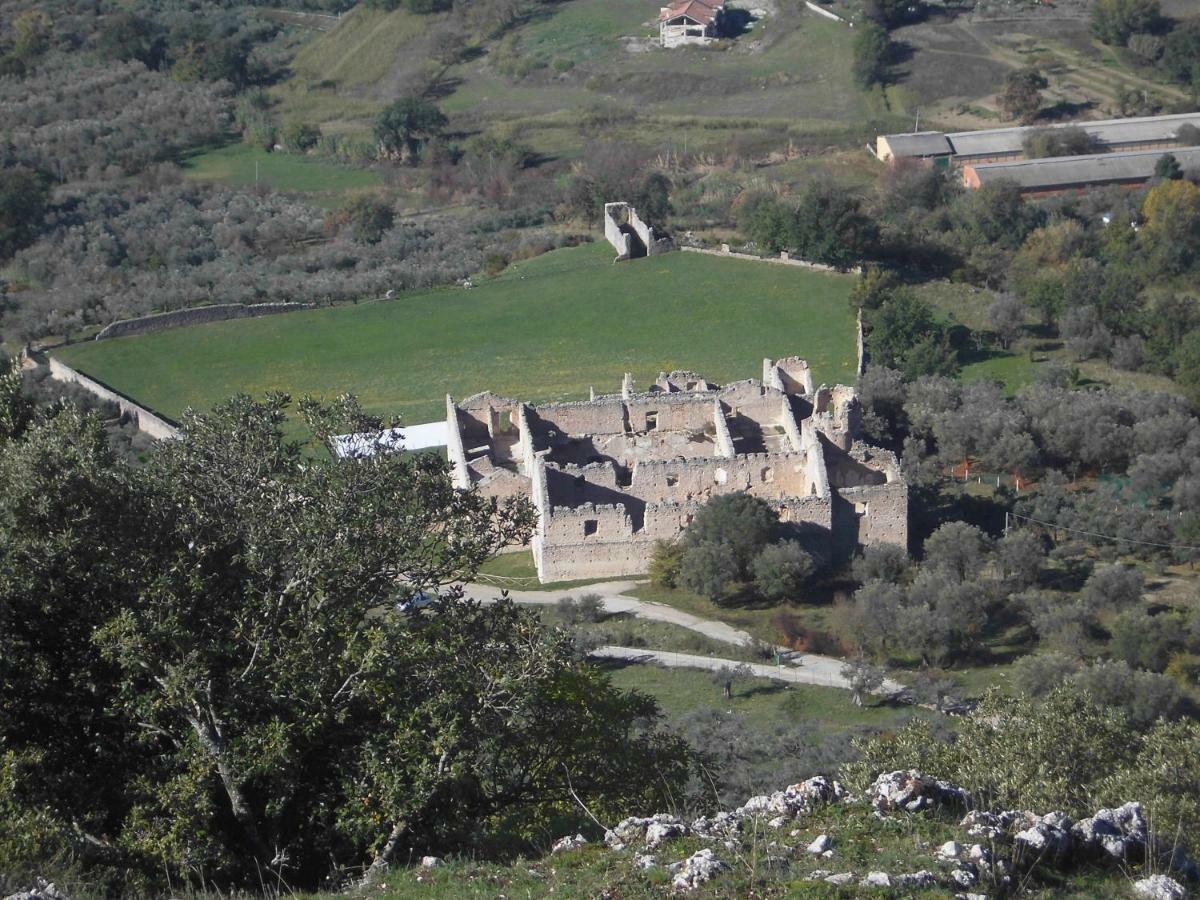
[(1145, 641), (1184, 668), (880, 562), (1039, 674), (494, 263), (1114, 586), (300, 137), (741, 523), (708, 569), (665, 563), (782, 569), (1142, 696)]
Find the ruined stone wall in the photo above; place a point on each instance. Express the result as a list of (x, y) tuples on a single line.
[(612, 230), (457, 455), (724, 439), (787, 421), (607, 416), (769, 475), (795, 375), (883, 513), (588, 523), (673, 412), (644, 231), (600, 417)]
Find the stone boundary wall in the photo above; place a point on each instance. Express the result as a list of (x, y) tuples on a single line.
[(150, 423), (197, 315), (782, 260), (826, 13)]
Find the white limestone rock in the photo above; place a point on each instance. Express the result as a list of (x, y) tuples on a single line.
[(568, 842), (840, 878), (877, 879), (659, 832), (1117, 833), (431, 862), (699, 868), (644, 861), (820, 844), (912, 791), (915, 880), (40, 890), (950, 850), (1159, 887)]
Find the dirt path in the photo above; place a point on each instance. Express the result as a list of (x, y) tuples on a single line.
[(809, 668), (818, 670)]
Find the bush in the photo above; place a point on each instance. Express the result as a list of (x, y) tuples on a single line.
[(494, 263), (1142, 696), (741, 523), (880, 562), (1039, 674), (300, 137), (587, 609), (1114, 586), (708, 569), (1144, 641), (665, 563), (782, 569), (1184, 668)]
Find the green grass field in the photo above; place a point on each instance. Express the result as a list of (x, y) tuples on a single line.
[(546, 329), (762, 701), (240, 165)]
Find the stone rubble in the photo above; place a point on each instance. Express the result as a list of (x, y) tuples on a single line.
[(1119, 833), (820, 845), (700, 867), (41, 890), (1008, 842), (1159, 887), (570, 842), (431, 862)]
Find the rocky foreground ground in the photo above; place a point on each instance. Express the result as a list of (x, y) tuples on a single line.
[(909, 835)]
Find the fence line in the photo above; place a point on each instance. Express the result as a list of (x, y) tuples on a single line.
[(784, 259), (829, 14)]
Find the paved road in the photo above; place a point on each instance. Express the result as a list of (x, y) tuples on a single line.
[(809, 667)]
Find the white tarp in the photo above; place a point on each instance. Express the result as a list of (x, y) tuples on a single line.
[(407, 437)]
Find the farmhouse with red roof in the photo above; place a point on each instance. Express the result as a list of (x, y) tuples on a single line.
[(690, 22)]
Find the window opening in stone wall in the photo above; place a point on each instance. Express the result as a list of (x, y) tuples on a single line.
[(862, 509), (768, 475), (720, 476), (651, 421), (590, 526), (672, 480)]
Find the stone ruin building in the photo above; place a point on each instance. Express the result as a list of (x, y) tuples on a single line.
[(629, 235), (612, 475)]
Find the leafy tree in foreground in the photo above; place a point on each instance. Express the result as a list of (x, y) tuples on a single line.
[(1115, 21), (203, 658), (781, 570), (23, 196)]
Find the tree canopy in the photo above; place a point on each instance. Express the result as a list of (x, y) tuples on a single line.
[(203, 667)]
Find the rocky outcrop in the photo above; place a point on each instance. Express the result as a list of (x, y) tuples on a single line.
[(912, 791), (697, 869), (998, 849), (40, 890), (1159, 887)]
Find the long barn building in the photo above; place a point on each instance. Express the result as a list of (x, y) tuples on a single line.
[(1061, 174), (1004, 144)]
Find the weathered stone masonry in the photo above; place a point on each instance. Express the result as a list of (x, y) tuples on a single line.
[(611, 476)]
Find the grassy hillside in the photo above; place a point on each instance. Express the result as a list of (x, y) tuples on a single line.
[(241, 165), (546, 329)]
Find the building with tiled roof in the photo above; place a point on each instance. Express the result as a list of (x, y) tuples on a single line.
[(690, 22)]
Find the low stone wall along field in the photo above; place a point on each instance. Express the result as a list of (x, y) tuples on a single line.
[(547, 329)]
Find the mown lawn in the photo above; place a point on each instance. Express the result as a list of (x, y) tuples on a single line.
[(547, 329), (240, 165)]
